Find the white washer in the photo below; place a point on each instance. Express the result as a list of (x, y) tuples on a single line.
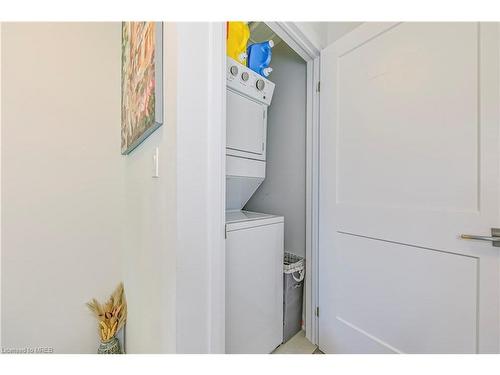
[(254, 282)]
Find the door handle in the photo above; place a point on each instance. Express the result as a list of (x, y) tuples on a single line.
[(494, 238)]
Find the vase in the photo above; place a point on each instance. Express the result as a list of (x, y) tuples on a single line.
[(111, 346)]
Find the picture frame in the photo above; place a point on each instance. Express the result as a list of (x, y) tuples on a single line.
[(141, 82)]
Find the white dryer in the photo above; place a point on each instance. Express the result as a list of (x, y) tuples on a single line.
[(248, 97)]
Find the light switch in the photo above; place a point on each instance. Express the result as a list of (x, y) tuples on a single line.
[(156, 161)]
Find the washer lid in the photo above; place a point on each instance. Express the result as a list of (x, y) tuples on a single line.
[(236, 220)]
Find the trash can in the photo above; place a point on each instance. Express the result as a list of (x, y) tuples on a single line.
[(293, 286)]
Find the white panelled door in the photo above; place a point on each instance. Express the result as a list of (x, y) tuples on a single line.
[(408, 162)]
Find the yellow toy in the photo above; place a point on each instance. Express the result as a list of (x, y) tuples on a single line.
[(238, 34)]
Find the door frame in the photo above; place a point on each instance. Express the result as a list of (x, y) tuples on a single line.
[(216, 194), (310, 53), (307, 50), (291, 34)]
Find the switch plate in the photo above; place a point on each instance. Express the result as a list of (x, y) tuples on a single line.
[(156, 162)]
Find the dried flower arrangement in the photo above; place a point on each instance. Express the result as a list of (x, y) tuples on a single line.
[(110, 315)]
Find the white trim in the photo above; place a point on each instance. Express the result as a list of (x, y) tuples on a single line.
[(200, 252), (312, 265), (216, 200), (308, 287), (498, 184), (296, 39), (0, 175)]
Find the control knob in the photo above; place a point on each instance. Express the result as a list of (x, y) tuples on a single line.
[(260, 84)]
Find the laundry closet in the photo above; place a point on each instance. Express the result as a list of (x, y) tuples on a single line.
[(265, 194)]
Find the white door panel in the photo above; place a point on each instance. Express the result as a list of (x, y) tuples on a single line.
[(377, 297), (406, 81), (408, 161)]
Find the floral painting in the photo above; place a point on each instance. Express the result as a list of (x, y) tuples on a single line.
[(142, 106)]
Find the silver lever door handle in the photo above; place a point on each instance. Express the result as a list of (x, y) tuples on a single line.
[(481, 238), (494, 238)]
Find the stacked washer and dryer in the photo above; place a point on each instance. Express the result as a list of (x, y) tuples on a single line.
[(254, 241)]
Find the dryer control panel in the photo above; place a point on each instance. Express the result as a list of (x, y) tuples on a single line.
[(244, 80)]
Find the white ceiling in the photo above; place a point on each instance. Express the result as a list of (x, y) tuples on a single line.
[(260, 32), (320, 33)]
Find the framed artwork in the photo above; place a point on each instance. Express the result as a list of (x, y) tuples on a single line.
[(142, 82)]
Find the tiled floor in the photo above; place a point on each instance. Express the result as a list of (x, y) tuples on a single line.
[(298, 344)]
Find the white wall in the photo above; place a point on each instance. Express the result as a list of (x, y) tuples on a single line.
[(283, 191), (150, 222), (61, 181), (335, 30), (174, 264), (322, 34), (317, 32), (77, 217)]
